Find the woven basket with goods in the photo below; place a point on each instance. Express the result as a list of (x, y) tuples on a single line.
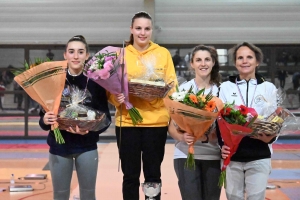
[(84, 125), (272, 125), (149, 89), (267, 128)]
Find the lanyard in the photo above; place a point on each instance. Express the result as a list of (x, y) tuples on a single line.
[(247, 94), (211, 87)]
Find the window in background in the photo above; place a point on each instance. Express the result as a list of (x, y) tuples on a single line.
[(56, 54), (222, 56), (10, 58), (180, 58), (288, 56)]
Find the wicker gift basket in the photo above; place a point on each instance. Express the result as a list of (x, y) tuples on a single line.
[(149, 89), (84, 125), (73, 111), (267, 128), (273, 124)]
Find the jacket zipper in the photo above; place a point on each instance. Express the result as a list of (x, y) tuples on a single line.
[(247, 92)]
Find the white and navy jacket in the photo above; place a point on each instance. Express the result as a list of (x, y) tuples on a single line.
[(252, 93)]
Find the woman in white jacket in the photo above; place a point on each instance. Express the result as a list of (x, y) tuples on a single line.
[(250, 166)]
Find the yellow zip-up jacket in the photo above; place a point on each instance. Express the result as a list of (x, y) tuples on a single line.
[(154, 113)]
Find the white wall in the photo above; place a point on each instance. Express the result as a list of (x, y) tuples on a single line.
[(176, 21), (56, 21), (228, 21)]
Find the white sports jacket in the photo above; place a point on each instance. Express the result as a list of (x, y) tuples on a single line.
[(253, 93)]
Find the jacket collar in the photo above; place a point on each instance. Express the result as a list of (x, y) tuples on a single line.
[(260, 79)]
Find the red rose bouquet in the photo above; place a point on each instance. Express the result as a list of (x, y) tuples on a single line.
[(234, 123)]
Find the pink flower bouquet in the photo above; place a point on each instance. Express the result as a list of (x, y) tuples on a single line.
[(106, 69)]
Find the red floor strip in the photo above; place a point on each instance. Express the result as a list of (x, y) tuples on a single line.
[(286, 146), (24, 146), (45, 146)]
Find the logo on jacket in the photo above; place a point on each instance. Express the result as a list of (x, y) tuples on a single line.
[(259, 99), (234, 94)]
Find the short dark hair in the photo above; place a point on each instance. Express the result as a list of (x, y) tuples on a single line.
[(215, 76), (257, 51), (141, 14), (78, 38)]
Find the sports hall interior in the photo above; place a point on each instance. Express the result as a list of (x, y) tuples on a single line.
[(39, 29)]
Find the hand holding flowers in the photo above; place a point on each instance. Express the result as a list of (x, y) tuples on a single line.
[(234, 123), (190, 111), (36, 79), (39, 73), (107, 69)]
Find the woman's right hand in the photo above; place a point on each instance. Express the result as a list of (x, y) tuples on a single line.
[(49, 118), (120, 98), (76, 130), (188, 138), (225, 151)]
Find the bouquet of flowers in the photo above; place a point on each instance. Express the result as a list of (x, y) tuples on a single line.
[(150, 81), (107, 69), (234, 123), (191, 111), (74, 113), (35, 82), (27, 66)]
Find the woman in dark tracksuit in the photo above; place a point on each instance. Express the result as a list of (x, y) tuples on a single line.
[(80, 147)]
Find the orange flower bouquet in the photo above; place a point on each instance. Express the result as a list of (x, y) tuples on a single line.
[(44, 84), (194, 114), (27, 66)]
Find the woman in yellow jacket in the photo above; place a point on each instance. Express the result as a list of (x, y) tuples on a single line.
[(147, 139)]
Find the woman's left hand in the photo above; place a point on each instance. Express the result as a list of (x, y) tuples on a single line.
[(120, 98), (77, 131)]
